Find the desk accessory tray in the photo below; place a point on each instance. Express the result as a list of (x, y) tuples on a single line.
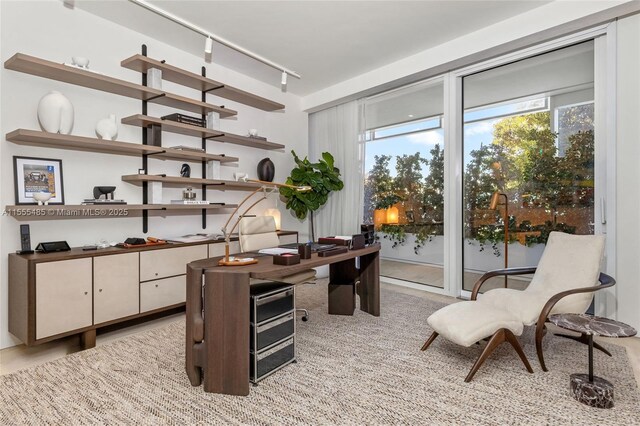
[(333, 252), (286, 259)]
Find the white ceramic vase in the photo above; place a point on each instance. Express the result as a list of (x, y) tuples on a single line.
[(55, 113), (107, 128), (42, 198)]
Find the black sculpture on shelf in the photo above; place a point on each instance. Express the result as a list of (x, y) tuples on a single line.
[(266, 170), (107, 191), (185, 171)]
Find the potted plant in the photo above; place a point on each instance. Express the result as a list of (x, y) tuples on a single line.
[(323, 178)]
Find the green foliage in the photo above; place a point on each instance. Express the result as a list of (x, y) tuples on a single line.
[(433, 188), (323, 177)]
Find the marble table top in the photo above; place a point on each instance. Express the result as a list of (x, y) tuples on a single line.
[(590, 324)]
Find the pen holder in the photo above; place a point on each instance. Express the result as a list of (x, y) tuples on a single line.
[(304, 250), (286, 259)]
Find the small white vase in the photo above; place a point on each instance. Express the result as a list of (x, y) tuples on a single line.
[(107, 128), (55, 113), (42, 198)]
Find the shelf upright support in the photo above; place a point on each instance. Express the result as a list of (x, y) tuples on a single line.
[(145, 184), (204, 162)]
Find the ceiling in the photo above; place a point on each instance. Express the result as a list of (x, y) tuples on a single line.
[(326, 42)]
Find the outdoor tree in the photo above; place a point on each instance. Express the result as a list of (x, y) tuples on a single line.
[(433, 193)]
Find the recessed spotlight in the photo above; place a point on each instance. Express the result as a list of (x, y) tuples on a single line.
[(410, 115)]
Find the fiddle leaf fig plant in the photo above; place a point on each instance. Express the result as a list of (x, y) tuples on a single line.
[(323, 178)]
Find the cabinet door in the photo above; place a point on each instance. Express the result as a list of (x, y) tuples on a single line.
[(288, 239), (168, 262), (115, 287), (160, 293), (63, 296), (216, 250)]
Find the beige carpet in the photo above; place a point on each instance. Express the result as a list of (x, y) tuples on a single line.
[(350, 370)]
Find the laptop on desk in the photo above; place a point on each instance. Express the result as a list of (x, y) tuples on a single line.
[(315, 247)]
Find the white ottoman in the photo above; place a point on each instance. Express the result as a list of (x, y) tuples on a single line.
[(466, 323)]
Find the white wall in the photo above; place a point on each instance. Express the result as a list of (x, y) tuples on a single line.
[(627, 172), (52, 31), (534, 21)]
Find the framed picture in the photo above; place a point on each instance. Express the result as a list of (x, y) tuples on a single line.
[(410, 217), (33, 175)]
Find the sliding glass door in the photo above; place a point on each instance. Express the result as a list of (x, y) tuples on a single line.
[(404, 181), (528, 159)]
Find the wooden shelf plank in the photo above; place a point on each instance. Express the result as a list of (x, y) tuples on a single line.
[(196, 207), (192, 105), (68, 74), (82, 143), (221, 185), (201, 132), (142, 64), (78, 143), (170, 126), (247, 141)]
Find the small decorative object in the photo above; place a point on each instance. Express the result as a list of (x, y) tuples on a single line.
[(184, 119), (213, 169), (107, 128), (286, 259), (410, 217), (253, 132), (37, 175), (188, 194), (240, 177), (304, 250), (185, 170), (213, 120), (107, 191), (55, 113), (154, 78), (80, 61), (42, 198), (266, 170)]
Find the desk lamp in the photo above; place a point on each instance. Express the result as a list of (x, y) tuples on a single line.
[(266, 188), (494, 206)]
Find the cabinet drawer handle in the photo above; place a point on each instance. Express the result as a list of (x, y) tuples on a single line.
[(156, 285), (86, 292), (100, 290), (156, 274)]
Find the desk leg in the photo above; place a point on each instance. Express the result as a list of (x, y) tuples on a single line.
[(194, 325), (369, 288), (226, 332), (342, 299)]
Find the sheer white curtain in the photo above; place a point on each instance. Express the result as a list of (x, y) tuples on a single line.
[(337, 130)]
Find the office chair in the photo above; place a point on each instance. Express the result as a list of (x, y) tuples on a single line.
[(258, 233)]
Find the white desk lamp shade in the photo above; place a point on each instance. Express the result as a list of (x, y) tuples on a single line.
[(276, 215)]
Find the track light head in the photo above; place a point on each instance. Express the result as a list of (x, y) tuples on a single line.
[(208, 46), (284, 78)]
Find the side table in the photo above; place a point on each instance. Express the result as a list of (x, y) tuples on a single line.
[(588, 389)]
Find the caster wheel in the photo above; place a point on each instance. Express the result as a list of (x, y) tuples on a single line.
[(305, 318)]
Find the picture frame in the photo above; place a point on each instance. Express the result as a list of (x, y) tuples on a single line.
[(410, 217), (32, 175)]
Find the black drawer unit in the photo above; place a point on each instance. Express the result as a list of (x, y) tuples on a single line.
[(273, 328)]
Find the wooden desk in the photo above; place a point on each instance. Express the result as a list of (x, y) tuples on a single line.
[(217, 335)]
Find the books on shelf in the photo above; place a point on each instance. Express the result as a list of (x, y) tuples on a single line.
[(101, 201), (194, 238), (185, 119), (196, 202), (187, 148)]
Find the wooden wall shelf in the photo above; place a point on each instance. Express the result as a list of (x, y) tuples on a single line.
[(174, 74), (93, 80), (222, 185), (201, 132), (76, 211), (82, 143)]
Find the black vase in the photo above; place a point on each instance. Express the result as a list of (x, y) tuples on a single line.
[(266, 170)]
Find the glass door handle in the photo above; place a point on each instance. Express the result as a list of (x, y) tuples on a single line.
[(603, 211)]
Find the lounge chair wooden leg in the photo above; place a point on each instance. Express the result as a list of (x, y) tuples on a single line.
[(540, 332), (494, 342), (584, 339), (511, 338), (429, 341)]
